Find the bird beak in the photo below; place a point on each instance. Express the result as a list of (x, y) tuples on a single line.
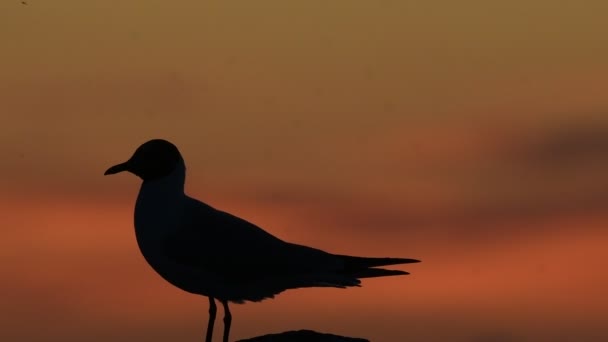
[(117, 168)]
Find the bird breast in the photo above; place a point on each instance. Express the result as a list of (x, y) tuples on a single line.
[(158, 212)]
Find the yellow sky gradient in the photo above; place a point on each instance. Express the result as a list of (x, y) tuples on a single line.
[(472, 135)]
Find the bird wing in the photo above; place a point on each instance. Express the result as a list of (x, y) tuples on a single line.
[(234, 248)]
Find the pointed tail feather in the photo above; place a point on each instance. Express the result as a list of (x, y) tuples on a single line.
[(377, 272), (356, 263)]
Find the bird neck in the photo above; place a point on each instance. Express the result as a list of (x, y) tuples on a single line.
[(159, 206), (168, 186)]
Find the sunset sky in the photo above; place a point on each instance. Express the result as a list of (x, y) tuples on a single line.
[(472, 135)]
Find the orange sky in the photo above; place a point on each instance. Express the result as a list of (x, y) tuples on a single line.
[(471, 135)]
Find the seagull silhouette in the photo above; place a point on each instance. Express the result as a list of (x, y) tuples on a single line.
[(209, 252)]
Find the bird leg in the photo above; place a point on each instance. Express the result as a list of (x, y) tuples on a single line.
[(212, 311), (227, 320)]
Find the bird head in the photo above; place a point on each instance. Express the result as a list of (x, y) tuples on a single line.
[(154, 159)]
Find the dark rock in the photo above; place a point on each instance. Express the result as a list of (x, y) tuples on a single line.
[(303, 336)]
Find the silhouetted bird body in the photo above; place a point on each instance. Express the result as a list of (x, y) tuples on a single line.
[(209, 252)]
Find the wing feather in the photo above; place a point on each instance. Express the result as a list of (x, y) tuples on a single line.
[(235, 248)]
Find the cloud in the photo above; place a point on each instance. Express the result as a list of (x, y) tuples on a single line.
[(566, 142), (466, 178), (366, 214)]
